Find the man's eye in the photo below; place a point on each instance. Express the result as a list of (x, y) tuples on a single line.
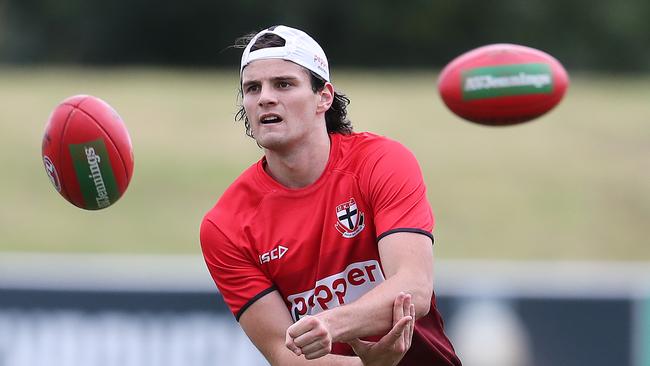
[(284, 84), (252, 89)]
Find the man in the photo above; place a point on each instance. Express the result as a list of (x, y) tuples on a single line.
[(328, 236)]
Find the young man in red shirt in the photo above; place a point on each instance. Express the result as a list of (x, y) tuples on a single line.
[(326, 239)]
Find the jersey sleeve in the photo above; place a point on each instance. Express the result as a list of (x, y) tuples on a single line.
[(234, 270), (397, 193)]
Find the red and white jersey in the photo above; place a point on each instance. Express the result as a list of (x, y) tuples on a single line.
[(317, 245)]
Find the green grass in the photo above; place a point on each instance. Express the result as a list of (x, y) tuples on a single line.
[(574, 184)]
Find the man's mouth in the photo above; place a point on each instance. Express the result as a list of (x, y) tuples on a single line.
[(270, 118)]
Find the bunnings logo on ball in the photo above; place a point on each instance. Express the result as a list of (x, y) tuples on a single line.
[(94, 174), (506, 80)]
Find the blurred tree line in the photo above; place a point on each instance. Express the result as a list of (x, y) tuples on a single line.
[(605, 35)]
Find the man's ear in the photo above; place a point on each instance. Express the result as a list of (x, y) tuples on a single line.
[(326, 98)]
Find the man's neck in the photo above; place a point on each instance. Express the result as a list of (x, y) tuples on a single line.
[(301, 166)]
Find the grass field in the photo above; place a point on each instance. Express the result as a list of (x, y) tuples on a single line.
[(574, 184)]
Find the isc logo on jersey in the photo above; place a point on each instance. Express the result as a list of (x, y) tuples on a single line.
[(275, 253), (335, 290)]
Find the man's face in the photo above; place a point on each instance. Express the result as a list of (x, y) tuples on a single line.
[(281, 107)]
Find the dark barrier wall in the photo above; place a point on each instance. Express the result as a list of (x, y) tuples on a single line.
[(562, 331), (607, 35)]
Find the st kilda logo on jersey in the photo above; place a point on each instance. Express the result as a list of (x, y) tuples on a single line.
[(350, 219)]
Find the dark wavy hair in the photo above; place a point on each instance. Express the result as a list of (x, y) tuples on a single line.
[(335, 117)]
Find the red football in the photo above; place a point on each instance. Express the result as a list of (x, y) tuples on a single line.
[(502, 84), (87, 152)]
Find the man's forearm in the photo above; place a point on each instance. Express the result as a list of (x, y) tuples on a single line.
[(372, 313), (328, 360)]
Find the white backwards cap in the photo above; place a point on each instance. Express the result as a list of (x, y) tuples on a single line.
[(299, 48)]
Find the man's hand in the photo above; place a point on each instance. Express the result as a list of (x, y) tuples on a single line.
[(309, 336), (390, 349)]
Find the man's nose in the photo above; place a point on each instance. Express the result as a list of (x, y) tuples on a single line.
[(267, 96)]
